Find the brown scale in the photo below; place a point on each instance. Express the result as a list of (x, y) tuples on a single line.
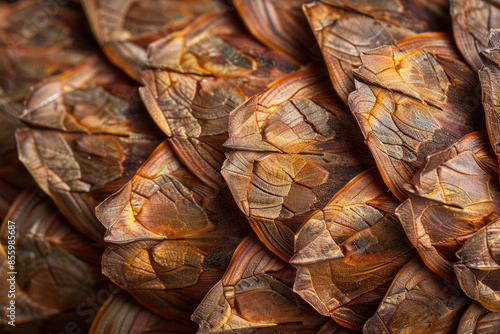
[(56, 267), (125, 29), (190, 92), (478, 271), (256, 277), (121, 314), (33, 47), (281, 25), (418, 301), (450, 198), (348, 252), (489, 76), (89, 134), (477, 319), (472, 22), (413, 98), (171, 236), (289, 147), (345, 29)]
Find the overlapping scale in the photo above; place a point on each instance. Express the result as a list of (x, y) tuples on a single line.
[(277, 202), (472, 22), (281, 25), (478, 271), (89, 134), (418, 301), (125, 29), (54, 267), (290, 147), (348, 253), (451, 197), (256, 276), (121, 314), (345, 29), (190, 92), (413, 98), (171, 235), (477, 319)]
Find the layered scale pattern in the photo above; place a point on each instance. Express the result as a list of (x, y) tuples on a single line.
[(250, 166)]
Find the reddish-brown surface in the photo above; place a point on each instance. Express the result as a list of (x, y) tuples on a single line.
[(267, 166)]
